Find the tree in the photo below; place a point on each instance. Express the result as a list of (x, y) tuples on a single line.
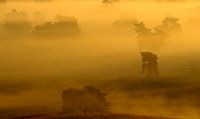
[(150, 64), (88, 100), (16, 21), (148, 40), (169, 25), (61, 26)]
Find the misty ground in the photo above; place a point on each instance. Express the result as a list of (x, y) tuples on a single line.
[(166, 97)]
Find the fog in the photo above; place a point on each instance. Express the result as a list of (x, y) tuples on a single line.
[(34, 70)]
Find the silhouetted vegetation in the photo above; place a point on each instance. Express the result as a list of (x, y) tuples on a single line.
[(153, 39), (85, 101), (149, 40), (150, 65), (16, 22), (110, 1), (169, 25), (62, 26)]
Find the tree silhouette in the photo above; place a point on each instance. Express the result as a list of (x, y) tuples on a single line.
[(17, 21), (141, 29), (169, 25), (61, 26), (148, 40), (150, 64), (88, 100)]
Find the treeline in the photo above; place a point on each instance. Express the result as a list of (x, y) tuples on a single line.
[(18, 22)]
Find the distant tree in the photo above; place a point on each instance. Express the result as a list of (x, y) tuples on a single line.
[(16, 21), (110, 1), (150, 64), (148, 40), (169, 25), (106, 1), (61, 26), (153, 39), (141, 29)]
